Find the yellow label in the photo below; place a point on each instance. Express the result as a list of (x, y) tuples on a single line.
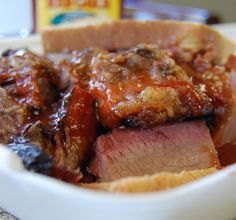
[(54, 12)]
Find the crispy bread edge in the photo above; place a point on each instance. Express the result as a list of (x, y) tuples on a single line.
[(150, 183), (127, 33)]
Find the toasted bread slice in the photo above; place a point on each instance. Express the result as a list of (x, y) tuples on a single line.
[(127, 33), (151, 183)]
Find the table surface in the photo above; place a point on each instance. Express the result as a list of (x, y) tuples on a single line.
[(229, 30)]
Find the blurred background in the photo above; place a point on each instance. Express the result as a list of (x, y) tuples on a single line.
[(24, 17)]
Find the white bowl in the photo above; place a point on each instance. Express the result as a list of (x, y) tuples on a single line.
[(33, 196)]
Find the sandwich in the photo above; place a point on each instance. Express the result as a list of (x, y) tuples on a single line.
[(127, 106)]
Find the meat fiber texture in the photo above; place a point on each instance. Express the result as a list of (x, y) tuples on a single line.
[(11, 117), (167, 148)]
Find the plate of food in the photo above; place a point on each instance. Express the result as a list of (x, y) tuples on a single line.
[(120, 120)]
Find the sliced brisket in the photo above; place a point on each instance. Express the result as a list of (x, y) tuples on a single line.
[(136, 152)]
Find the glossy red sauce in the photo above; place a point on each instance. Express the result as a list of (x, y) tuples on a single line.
[(80, 121), (125, 79), (231, 63), (227, 154), (221, 95), (75, 123)]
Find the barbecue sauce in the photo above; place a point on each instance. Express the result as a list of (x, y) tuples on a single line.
[(118, 79), (227, 154)]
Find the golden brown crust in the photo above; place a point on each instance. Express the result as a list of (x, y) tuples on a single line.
[(127, 33), (156, 182)]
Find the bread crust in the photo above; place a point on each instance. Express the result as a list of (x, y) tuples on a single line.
[(127, 33), (151, 183)]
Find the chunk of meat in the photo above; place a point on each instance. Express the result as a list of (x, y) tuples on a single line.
[(143, 86), (30, 79), (168, 148), (226, 123), (28, 89), (35, 159), (216, 81), (75, 68), (12, 116), (32, 82), (42, 135), (76, 121)]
